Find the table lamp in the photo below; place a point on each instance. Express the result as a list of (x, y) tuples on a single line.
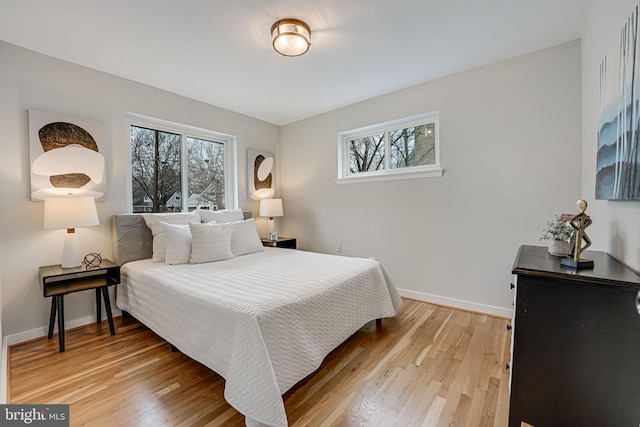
[(271, 208), (70, 213)]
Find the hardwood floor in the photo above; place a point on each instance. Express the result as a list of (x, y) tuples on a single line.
[(428, 366)]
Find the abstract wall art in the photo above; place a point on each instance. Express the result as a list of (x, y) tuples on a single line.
[(618, 158), (67, 156), (261, 181)]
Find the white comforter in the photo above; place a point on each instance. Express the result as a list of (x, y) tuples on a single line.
[(262, 321)]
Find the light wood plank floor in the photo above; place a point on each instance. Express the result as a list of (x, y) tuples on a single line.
[(428, 366)]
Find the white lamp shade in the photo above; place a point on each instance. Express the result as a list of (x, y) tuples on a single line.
[(70, 212), (271, 207)]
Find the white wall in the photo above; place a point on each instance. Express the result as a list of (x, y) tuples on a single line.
[(616, 224), (31, 80), (510, 140), (3, 356)]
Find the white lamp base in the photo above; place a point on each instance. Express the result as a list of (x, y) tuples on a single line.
[(71, 250)]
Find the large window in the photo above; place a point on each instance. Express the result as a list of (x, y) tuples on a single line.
[(401, 149), (170, 161)]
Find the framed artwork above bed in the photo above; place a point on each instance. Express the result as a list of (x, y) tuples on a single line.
[(261, 175), (67, 155)]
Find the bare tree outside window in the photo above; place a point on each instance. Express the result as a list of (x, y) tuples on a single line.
[(180, 167), (205, 174), (412, 146), (367, 153), (155, 170)]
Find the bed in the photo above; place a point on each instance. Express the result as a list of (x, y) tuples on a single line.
[(263, 321)]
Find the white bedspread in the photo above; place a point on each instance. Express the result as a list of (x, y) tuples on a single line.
[(262, 321)]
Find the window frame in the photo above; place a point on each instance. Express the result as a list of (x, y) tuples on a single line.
[(345, 176), (187, 131)]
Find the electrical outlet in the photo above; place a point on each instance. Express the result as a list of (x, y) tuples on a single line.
[(339, 248)]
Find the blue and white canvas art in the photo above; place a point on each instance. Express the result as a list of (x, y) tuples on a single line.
[(617, 167)]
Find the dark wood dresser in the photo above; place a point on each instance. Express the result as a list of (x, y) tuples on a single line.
[(576, 342)]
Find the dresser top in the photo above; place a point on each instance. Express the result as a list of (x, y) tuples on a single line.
[(536, 261)]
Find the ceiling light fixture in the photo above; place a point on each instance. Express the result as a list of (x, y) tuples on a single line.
[(291, 37)]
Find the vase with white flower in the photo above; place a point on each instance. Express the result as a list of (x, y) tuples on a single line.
[(559, 234)]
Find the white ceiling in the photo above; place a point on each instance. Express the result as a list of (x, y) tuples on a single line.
[(219, 51)]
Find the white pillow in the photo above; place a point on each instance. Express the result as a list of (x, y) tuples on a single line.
[(227, 215), (209, 242), (244, 237), (177, 243), (153, 222)]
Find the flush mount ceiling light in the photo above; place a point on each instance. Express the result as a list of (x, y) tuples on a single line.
[(291, 37)]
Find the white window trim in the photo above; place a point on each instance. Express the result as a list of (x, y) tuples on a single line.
[(413, 172), (389, 176), (230, 147)]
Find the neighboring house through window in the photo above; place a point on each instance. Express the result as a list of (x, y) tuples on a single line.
[(399, 149), (169, 159)]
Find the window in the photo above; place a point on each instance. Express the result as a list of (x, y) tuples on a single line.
[(400, 149), (169, 160)]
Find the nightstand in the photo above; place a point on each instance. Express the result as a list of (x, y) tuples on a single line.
[(282, 242), (58, 282)]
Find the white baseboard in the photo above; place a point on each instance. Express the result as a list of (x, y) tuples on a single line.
[(456, 303), (44, 330)]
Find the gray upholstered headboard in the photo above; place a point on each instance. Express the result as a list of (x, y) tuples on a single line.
[(132, 239)]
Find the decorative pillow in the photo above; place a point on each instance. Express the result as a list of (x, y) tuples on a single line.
[(244, 237), (177, 243), (153, 222), (209, 242), (221, 217)]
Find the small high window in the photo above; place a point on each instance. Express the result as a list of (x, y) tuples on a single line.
[(399, 149)]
